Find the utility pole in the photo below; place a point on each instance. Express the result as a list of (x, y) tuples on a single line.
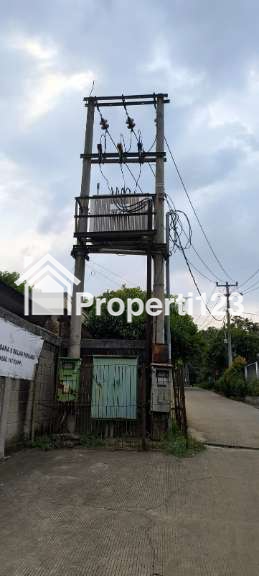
[(168, 326), (128, 223), (227, 286), (76, 321), (159, 284)]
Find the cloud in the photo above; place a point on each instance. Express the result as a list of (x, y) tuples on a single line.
[(184, 83), (206, 168), (12, 181), (44, 93), (34, 47), (25, 203), (48, 80), (206, 59)]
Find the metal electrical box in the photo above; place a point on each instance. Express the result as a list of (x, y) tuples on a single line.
[(161, 380), (68, 379)]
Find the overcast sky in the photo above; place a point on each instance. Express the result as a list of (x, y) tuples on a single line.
[(204, 54)]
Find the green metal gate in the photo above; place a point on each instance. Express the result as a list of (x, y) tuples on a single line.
[(114, 388)]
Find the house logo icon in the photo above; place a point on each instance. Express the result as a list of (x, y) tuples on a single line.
[(48, 286)]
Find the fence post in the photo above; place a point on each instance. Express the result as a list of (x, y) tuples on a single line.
[(6, 395), (183, 410), (143, 408), (34, 401), (179, 401)]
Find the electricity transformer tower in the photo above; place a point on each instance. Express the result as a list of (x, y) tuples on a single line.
[(130, 223), (227, 286)]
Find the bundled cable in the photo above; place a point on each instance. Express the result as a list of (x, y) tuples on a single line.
[(195, 211), (176, 230)]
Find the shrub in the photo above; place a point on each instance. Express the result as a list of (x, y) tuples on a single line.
[(219, 385), (91, 441), (44, 442), (175, 443), (233, 383), (207, 383), (253, 387)]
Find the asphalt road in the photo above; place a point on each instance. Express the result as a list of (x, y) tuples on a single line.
[(219, 420)]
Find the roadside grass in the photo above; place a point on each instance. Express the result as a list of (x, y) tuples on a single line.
[(52, 441), (173, 442), (91, 441), (176, 443), (45, 442)]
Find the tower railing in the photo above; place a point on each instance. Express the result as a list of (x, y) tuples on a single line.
[(111, 215)]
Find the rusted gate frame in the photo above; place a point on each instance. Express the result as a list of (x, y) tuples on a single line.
[(179, 400)]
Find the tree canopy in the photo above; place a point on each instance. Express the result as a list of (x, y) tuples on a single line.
[(186, 344), (107, 326), (245, 343), (205, 351), (10, 278)]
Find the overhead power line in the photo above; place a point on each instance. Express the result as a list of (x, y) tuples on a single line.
[(249, 288), (107, 274), (250, 278), (197, 286), (182, 249), (171, 205), (131, 125), (252, 290), (195, 211), (206, 265), (205, 325), (109, 271), (201, 273), (206, 321)]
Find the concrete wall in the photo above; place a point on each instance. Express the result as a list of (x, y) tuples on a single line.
[(45, 392), (31, 402), (19, 410)]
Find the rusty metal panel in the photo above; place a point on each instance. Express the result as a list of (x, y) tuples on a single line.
[(114, 388), (160, 353), (119, 213)]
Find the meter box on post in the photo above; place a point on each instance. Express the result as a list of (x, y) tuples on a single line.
[(161, 377)]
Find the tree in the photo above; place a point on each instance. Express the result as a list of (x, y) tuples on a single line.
[(232, 383), (107, 326), (10, 278), (186, 341), (245, 343), (214, 357)]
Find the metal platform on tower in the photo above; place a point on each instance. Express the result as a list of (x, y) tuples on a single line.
[(116, 223)]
